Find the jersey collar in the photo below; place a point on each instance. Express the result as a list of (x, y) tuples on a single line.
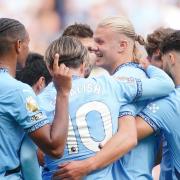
[(2, 69), (132, 64), (74, 77)]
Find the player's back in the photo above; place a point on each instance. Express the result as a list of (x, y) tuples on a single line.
[(94, 109), (138, 163)]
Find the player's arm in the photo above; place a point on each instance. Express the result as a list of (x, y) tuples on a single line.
[(143, 128), (124, 140), (40, 156), (159, 84), (120, 144), (52, 138)]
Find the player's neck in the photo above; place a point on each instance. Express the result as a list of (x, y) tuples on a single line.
[(6, 62), (177, 76), (76, 72), (177, 79)]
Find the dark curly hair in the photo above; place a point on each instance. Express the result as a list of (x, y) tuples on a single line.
[(171, 42), (154, 39), (78, 31)]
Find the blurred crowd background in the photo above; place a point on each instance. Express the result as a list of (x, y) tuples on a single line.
[(46, 19)]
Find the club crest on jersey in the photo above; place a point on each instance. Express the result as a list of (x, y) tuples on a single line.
[(31, 104), (153, 107)]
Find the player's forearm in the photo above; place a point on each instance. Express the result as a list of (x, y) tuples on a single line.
[(124, 140), (112, 152), (59, 127), (159, 84), (143, 128), (52, 138)]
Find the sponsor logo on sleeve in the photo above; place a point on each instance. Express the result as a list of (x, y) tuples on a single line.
[(31, 104), (37, 116)]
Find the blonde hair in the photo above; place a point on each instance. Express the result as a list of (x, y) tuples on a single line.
[(122, 25), (72, 52)]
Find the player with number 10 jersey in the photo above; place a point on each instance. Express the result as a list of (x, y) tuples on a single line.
[(93, 114)]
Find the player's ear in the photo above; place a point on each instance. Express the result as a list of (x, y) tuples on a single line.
[(18, 46), (82, 69), (123, 44), (39, 85), (172, 57)]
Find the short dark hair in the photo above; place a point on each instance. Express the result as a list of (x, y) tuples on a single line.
[(11, 30), (171, 42), (78, 31), (154, 39), (72, 52), (34, 69)]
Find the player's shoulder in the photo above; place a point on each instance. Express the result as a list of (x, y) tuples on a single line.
[(48, 94), (96, 79), (165, 105), (17, 87), (105, 80), (131, 70), (171, 99), (48, 90), (174, 98)]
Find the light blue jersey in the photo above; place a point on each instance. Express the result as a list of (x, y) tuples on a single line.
[(138, 163), (29, 161), (94, 110), (19, 113), (164, 115), (166, 166)]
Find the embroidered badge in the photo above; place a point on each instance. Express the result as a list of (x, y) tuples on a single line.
[(153, 107), (31, 104)]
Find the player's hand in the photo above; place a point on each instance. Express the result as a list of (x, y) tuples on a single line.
[(62, 76), (74, 170), (144, 63)]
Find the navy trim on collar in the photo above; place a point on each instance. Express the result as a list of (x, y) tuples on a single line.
[(136, 65), (74, 77), (3, 69)]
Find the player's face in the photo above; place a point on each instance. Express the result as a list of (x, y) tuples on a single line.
[(107, 43), (24, 50), (90, 45)]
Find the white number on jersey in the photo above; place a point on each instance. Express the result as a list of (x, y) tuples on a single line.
[(84, 133)]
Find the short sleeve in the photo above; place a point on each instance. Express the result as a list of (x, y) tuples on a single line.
[(154, 114), (127, 110), (132, 109), (131, 88), (26, 110)]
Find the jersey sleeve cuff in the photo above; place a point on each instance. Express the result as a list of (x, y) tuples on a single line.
[(139, 89), (126, 113), (149, 121), (37, 126)]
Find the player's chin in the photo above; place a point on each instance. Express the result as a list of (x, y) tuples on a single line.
[(99, 62)]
